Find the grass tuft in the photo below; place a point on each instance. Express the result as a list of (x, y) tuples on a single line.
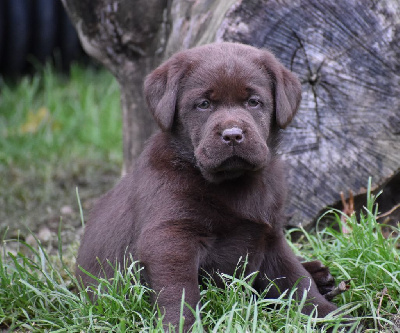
[(364, 256)]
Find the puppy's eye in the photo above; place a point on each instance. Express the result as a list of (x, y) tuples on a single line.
[(204, 105), (253, 102)]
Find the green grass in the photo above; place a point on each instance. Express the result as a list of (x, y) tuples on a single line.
[(365, 256), (40, 293), (50, 117), (57, 133)]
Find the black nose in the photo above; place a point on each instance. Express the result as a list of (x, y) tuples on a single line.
[(232, 135)]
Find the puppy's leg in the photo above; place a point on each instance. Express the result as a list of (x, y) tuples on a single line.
[(169, 256), (281, 266), (321, 276)]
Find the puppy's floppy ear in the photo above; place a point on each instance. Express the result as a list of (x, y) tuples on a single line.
[(161, 91), (287, 90)]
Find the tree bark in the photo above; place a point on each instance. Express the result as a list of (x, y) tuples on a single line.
[(346, 54), (129, 38)]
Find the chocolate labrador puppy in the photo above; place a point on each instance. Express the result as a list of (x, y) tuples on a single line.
[(208, 190)]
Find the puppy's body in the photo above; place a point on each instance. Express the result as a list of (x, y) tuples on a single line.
[(208, 190)]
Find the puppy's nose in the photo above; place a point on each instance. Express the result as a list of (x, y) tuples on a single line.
[(232, 135)]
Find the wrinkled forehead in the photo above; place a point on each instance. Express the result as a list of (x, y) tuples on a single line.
[(230, 74)]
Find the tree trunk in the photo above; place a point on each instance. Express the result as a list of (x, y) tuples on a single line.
[(129, 38), (346, 53)]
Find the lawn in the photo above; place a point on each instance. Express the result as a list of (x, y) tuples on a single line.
[(57, 133), (60, 147)]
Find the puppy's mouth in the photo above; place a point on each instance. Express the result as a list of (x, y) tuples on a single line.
[(231, 168), (234, 164)]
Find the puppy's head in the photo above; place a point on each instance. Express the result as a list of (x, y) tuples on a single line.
[(226, 101)]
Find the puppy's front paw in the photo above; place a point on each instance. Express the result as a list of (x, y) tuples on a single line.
[(321, 276)]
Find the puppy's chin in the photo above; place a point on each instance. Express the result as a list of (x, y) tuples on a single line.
[(231, 168)]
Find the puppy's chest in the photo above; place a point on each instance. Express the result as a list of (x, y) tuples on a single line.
[(222, 249)]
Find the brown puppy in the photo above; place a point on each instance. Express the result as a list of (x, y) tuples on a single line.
[(209, 189)]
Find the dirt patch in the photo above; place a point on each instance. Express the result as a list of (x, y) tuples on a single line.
[(35, 200)]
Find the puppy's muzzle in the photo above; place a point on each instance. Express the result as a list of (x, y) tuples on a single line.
[(232, 136)]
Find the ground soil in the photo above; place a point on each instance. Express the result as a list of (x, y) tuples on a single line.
[(35, 202)]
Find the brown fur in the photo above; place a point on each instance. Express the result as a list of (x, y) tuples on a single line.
[(209, 189)]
